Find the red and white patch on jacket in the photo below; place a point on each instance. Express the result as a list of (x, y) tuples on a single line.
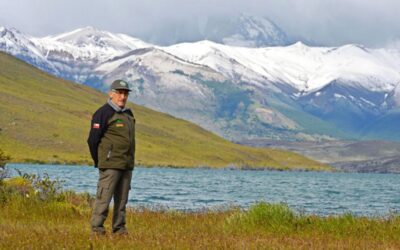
[(96, 125)]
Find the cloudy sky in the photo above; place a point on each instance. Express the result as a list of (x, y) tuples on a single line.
[(326, 22)]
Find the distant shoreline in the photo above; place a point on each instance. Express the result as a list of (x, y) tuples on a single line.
[(186, 167), (336, 167)]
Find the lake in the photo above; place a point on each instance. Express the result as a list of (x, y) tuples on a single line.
[(320, 193)]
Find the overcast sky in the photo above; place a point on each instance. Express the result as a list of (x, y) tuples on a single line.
[(326, 22)]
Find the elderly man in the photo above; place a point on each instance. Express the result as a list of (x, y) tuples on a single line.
[(112, 147)]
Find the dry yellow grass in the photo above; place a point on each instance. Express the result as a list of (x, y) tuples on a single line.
[(44, 225), (36, 214)]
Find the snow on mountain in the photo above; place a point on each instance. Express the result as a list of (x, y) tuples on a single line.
[(90, 36), (15, 42), (20, 45), (307, 69), (71, 55), (217, 57), (253, 31), (75, 54), (158, 60), (88, 44)]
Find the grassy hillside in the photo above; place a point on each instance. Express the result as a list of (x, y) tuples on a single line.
[(47, 119)]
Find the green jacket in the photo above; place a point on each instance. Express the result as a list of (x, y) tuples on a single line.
[(112, 138)]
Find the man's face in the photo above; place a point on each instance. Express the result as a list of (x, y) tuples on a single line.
[(119, 97)]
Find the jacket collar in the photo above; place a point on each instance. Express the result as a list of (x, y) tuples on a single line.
[(116, 107)]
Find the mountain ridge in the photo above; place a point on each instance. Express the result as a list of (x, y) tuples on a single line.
[(272, 89)]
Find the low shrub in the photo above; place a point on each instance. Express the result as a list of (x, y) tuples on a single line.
[(263, 215), (43, 187)]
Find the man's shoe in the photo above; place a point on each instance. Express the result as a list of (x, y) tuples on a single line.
[(120, 231), (98, 231)]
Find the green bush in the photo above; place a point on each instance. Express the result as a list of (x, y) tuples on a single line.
[(263, 215), (269, 215)]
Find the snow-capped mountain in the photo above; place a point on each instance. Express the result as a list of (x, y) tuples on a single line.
[(78, 52), (349, 86), (306, 69), (87, 44), (253, 31), (304, 72), (291, 92), (20, 45)]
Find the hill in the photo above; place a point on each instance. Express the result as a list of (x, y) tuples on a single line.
[(47, 119), (348, 156)]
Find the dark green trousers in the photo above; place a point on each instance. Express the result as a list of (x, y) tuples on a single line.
[(113, 183)]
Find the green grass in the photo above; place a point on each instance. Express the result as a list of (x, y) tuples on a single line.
[(61, 221), (45, 119)]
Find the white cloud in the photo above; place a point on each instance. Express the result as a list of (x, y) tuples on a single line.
[(330, 22), (393, 44)]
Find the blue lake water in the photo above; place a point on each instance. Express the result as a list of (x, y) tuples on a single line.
[(194, 189)]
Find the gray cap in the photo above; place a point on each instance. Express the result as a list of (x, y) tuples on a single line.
[(120, 84)]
